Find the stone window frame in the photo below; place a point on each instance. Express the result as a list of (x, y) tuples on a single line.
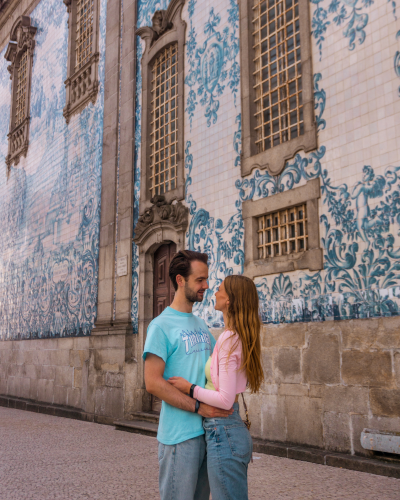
[(274, 159), (21, 41), (167, 28), (311, 259), (82, 85)]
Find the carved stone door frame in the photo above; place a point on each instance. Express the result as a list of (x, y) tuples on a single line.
[(162, 223)]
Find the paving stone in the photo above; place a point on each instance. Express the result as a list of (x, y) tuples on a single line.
[(51, 458)]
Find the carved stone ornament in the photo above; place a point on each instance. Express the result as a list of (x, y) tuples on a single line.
[(81, 85), (21, 41), (162, 213)]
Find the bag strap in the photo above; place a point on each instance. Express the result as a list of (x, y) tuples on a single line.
[(244, 403), (247, 421)]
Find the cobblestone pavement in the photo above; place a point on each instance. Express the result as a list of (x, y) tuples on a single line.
[(51, 458)]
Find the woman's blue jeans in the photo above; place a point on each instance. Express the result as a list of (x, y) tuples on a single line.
[(229, 449)]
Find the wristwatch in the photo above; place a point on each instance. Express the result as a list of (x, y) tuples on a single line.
[(192, 389), (197, 406)]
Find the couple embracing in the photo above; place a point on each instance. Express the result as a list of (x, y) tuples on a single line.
[(203, 442)]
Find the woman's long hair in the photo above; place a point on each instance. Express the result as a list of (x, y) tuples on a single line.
[(244, 319)]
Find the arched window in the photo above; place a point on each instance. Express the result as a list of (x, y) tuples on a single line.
[(82, 84), (277, 85), (20, 54), (162, 163)]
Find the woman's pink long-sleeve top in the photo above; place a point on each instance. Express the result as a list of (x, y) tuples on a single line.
[(226, 377)]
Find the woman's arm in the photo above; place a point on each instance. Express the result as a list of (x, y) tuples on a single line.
[(228, 369)]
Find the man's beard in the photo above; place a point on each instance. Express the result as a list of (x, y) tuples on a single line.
[(192, 296)]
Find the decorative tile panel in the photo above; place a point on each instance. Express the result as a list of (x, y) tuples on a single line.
[(50, 204), (357, 112)]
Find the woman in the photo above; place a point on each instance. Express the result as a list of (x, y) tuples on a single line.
[(234, 364)]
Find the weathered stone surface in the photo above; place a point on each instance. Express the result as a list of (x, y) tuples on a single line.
[(60, 396), (287, 365), (64, 376), (48, 372), (77, 358), (337, 432), (317, 390), (267, 364), (321, 360), (74, 397), (45, 390), (114, 379), (342, 399), (293, 390), (33, 389), (366, 368), (273, 418), (58, 358), (358, 424), (385, 402), (65, 343), (389, 333), (288, 335), (304, 421), (109, 359), (78, 377), (359, 333), (396, 359), (109, 401)]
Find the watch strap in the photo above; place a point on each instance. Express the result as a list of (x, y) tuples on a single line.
[(192, 389), (197, 406)]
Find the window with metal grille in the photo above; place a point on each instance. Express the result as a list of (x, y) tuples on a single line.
[(20, 102), (282, 232), (278, 81), (164, 122), (84, 32)]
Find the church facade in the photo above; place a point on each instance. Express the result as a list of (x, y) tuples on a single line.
[(264, 133)]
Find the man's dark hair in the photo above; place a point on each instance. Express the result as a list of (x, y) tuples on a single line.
[(181, 264)]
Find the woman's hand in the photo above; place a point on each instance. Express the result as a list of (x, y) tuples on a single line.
[(181, 384)]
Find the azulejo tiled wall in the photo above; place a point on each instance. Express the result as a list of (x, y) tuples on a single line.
[(50, 204), (355, 46)]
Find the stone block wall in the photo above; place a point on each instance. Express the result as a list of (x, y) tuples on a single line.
[(86, 373), (326, 382), (46, 370)]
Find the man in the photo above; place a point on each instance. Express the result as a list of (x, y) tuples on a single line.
[(178, 344)]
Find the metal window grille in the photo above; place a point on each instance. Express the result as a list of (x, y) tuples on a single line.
[(277, 76), (282, 232), (84, 32), (164, 122), (21, 89)]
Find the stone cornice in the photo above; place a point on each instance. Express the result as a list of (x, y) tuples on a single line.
[(10, 10)]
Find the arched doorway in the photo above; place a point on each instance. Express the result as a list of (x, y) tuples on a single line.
[(163, 291)]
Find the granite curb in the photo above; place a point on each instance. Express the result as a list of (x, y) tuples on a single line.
[(325, 457)]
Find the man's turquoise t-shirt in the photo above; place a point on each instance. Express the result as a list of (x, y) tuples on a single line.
[(184, 342)]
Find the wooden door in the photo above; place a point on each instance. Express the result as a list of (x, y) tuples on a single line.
[(163, 291)]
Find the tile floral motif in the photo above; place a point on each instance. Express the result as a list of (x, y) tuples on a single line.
[(212, 64), (396, 61), (361, 263), (349, 13), (50, 205), (319, 102), (222, 243)]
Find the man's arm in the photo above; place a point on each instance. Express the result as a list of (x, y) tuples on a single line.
[(154, 368)]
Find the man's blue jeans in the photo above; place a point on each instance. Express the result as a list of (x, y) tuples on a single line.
[(183, 470), (229, 449)]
